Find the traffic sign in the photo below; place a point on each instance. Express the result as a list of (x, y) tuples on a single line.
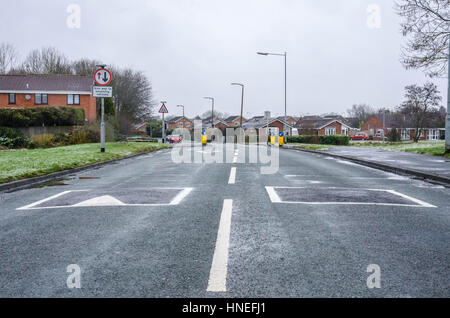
[(101, 91), (163, 109), (204, 132), (281, 134), (102, 77)]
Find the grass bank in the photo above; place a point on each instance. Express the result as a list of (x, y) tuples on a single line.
[(426, 148), (27, 163)]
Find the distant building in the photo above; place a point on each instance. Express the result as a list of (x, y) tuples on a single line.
[(30, 91), (180, 122), (234, 121), (316, 125), (374, 128), (259, 123)]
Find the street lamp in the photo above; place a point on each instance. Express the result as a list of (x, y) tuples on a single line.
[(242, 101), (285, 84), (212, 111), (182, 107)]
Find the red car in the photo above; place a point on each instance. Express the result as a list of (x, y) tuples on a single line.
[(360, 136), (173, 139)]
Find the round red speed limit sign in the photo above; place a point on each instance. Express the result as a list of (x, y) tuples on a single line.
[(102, 77)]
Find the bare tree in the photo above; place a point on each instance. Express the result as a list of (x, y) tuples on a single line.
[(420, 105), (359, 113), (132, 95), (85, 66), (8, 57), (427, 25), (217, 114), (47, 60)]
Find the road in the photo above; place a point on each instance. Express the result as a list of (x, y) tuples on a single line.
[(202, 230)]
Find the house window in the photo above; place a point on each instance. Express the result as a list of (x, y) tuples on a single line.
[(405, 134), (12, 99), (180, 124), (433, 134), (236, 124), (40, 99), (188, 124), (344, 130), (330, 131), (73, 99)]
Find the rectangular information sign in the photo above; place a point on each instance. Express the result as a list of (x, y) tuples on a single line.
[(102, 91)]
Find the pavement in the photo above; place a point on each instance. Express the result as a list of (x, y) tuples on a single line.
[(149, 227), (424, 163)]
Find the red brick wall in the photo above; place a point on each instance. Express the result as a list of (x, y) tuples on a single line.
[(86, 101), (372, 123), (184, 120), (335, 124)]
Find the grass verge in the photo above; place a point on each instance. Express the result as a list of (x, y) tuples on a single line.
[(311, 146), (21, 164), (425, 148)]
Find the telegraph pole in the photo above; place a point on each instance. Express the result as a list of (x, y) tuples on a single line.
[(447, 121)]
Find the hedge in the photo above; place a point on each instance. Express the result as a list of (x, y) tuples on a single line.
[(323, 140), (39, 116)]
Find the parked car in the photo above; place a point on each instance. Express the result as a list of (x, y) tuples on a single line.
[(360, 136), (173, 139)]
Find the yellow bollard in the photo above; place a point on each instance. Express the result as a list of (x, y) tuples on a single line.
[(272, 140), (281, 140), (204, 137)]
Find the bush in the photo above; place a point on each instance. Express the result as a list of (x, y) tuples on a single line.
[(39, 116), (43, 141), (323, 140), (393, 135), (12, 138)]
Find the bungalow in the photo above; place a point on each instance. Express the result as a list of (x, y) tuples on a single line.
[(323, 126), (234, 121), (180, 122), (259, 123), (289, 119), (28, 91), (374, 127)]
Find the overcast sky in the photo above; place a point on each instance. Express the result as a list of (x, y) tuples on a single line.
[(195, 48)]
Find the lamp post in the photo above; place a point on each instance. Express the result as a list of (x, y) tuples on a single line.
[(181, 107), (212, 111), (242, 101), (285, 85)]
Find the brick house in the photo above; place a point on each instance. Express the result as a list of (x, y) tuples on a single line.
[(374, 126), (234, 121), (260, 123), (323, 126), (289, 119), (28, 91), (180, 122)]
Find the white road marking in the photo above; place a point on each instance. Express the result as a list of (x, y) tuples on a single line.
[(276, 199), (180, 196), (105, 200), (422, 203), (26, 207), (218, 273), (273, 195), (235, 158), (232, 178)]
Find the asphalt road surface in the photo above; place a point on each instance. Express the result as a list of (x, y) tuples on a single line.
[(147, 227)]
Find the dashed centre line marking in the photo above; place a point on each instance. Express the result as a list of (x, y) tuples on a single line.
[(218, 274), (232, 178)]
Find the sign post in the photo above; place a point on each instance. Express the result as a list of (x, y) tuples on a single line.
[(163, 110), (102, 77)]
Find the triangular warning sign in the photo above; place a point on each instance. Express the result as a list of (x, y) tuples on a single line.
[(105, 200), (163, 109)]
